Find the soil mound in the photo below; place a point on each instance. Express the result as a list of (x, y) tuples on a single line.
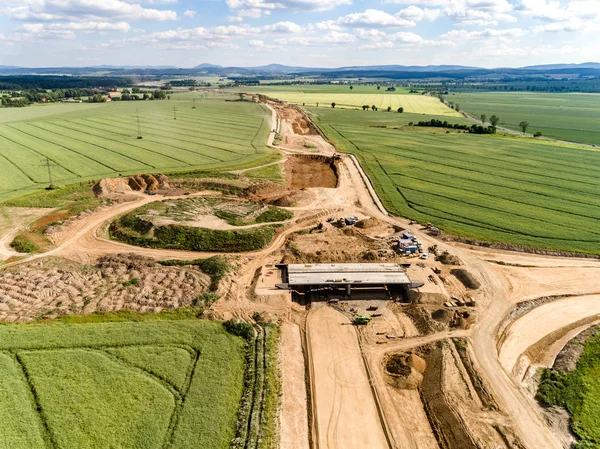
[(405, 371), (368, 223), (466, 278), (304, 171), (275, 194), (442, 315), (137, 183), (568, 358), (448, 259)]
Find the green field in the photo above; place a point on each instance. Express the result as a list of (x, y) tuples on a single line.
[(85, 142), (579, 393), (150, 384), (572, 117), (494, 188), (344, 98)]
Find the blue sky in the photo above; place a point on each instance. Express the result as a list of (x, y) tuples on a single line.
[(317, 33)]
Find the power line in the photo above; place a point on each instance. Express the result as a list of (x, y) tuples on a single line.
[(139, 127), (46, 163)]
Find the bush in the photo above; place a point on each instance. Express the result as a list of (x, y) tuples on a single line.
[(23, 244), (274, 214), (538, 134), (131, 282), (239, 328)]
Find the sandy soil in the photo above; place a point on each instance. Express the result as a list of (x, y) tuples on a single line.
[(12, 219), (294, 417), (542, 321), (346, 412)]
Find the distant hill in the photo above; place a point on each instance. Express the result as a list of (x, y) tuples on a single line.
[(585, 65)]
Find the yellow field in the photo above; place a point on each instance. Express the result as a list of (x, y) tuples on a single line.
[(415, 104)]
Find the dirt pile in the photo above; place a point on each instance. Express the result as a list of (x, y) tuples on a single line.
[(295, 117), (54, 287), (304, 171), (405, 370), (448, 259), (277, 195), (568, 358), (137, 183), (466, 278), (368, 223)]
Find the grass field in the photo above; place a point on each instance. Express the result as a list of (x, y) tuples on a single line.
[(344, 98), (154, 384), (579, 393), (85, 142), (571, 117), (493, 188)]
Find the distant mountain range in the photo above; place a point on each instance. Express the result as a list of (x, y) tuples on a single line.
[(589, 69)]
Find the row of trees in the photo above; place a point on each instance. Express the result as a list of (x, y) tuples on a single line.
[(473, 129)]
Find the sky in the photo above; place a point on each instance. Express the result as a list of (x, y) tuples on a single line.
[(312, 33)]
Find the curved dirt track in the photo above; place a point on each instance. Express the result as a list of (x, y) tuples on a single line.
[(543, 321)]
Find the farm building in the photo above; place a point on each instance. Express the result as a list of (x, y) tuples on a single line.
[(309, 282)]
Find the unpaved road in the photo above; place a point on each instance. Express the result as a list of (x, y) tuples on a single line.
[(542, 321), (346, 412)]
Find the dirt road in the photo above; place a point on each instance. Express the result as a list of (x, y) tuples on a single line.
[(346, 412), (541, 322)]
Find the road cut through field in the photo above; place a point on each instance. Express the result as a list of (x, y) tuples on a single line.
[(346, 413), (541, 322)]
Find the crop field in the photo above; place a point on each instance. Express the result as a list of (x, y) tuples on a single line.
[(571, 117), (84, 143), (344, 98), (151, 384), (501, 189)]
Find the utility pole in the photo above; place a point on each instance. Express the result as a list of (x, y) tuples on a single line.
[(174, 113), (194, 102), (139, 127), (46, 163)]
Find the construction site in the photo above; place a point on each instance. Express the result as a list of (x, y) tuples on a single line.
[(392, 336)]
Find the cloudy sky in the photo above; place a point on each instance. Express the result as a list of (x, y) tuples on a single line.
[(323, 33)]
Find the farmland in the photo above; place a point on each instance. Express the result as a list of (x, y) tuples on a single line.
[(495, 188), (572, 117), (345, 98), (150, 384), (87, 142)]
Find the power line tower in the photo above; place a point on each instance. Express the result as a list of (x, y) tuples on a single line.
[(48, 164), (194, 103), (139, 127)]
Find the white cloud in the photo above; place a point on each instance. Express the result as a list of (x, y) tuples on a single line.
[(373, 18), (260, 7), (489, 33), (82, 10), (418, 14), (577, 15), (190, 13), (465, 12)]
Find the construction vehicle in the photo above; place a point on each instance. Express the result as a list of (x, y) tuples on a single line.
[(372, 308), (361, 320)]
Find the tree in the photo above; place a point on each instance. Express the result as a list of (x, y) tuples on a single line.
[(524, 125), (389, 109), (378, 87), (538, 134), (483, 118), (351, 87), (374, 107), (400, 110), (365, 107), (333, 105), (457, 107), (494, 120)]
